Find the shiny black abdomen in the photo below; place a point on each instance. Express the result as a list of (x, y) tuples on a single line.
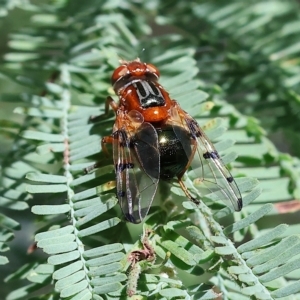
[(173, 157)]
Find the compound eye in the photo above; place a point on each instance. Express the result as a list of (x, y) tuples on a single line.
[(152, 69), (119, 73)]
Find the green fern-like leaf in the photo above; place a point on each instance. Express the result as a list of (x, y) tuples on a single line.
[(181, 251)]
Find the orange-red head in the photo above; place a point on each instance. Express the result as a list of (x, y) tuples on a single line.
[(130, 70)]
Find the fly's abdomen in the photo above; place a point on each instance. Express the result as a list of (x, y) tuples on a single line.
[(173, 158)]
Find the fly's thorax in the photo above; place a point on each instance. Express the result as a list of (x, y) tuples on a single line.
[(149, 94), (148, 98)]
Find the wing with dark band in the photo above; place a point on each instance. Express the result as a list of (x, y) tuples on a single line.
[(206, 162), (136, 159)]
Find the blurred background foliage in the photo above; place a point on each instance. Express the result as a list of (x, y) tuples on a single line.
[(246, 52)]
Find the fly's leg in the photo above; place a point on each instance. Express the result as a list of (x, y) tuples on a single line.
[(110, 102), (179, 177), (93, 119), (107, 139), (187, 193), (104, 141), (91, 168)]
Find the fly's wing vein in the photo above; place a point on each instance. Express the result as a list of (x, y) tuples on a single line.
[(136, 158), (206, 163)]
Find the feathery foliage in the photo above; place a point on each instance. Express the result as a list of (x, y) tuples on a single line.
[(63, 62), (251, 49)]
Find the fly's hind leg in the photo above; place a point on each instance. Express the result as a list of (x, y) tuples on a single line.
[(187, 193), (179, 177)]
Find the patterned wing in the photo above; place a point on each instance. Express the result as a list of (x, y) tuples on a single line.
[(137, 166), (206, 162)]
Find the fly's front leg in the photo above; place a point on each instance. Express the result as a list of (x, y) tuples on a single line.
[(110, 102)]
